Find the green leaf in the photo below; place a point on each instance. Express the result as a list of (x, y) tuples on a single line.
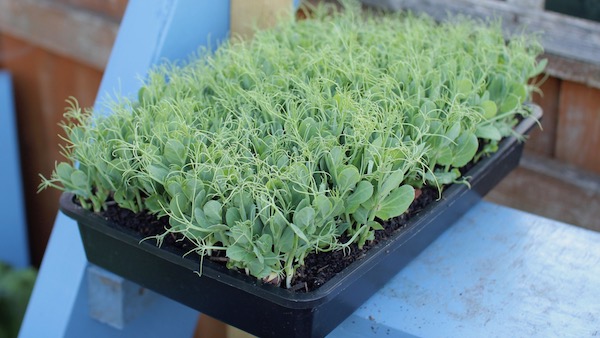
[(144, 183), (442, 177), (154, 204), (217, 228), (238, 253), (265, 243), (489, 109), (64, 171), (157, 173), (278, 224), (304, 217), (257, 254), (509, 104), (200, 218), (192, 186), (539, 68), (282, 161), (241, 232), (212, 209), (427, 107), (464, 87), (361, 215), (489, 132), (300, 172), (375, 225), (232, 215), (179, 205), (298, 232), (338, 206), (173, 187), (341, 228), (444, 156), (497, 88), (286, 242), (465, 149), (396, 203), (308, 128), (199, 199), (322, 205), (348, 178), (391, 182), (519, 90), (363, 191), (336, 157), (122, 196), (244, 201), (79, 179), (452, 133), (175, 152)]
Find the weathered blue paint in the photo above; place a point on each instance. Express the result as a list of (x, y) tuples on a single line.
[(151, 31), (14, 248), (497, 272), (58, 283), (114, 300)]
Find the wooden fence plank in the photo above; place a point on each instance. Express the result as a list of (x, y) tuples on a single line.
[(246, 15), (573, 70), (551, 189), (562, 36), (113, 9), (42, 81), (542, 141), (65, 30), (534, 4), (578, 134)]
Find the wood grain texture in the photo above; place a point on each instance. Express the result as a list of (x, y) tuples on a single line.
[(551, 189), (534, 4), (42, 81), (65, 30), (578, 134), (574, 39), (112, 9), (542, 141), (562, 35), (572, 70), (210, 327), (246, 16)]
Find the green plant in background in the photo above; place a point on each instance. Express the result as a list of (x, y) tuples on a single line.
[(15, 289), (314, 131)]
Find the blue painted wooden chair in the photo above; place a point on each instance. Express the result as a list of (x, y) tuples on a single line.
[(14, 247), (497, 271)]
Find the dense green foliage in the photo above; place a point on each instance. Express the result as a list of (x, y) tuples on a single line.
[(272, 149), (15, 289)]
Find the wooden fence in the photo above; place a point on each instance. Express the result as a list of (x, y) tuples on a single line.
[(53, 49)]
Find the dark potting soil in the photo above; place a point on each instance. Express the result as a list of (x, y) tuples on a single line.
[(321, 267), (318, 268)]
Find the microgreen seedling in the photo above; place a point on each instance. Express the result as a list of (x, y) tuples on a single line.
[(272, 149)]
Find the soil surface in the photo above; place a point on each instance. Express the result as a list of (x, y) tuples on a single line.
[(318, 268), (321, 267)]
